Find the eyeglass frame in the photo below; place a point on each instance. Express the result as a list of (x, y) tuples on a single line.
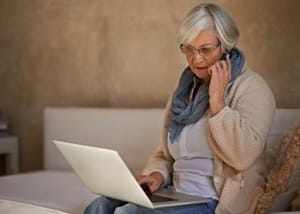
[(199, 50)]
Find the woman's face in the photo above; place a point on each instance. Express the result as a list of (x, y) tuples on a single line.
[(208, 44)]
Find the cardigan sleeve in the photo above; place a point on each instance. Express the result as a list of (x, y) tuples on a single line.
[(159, 162), (238, 133)]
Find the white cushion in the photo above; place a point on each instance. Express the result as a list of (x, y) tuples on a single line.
[(134, 133)]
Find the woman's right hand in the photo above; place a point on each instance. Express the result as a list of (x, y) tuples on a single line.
[(154, 180)]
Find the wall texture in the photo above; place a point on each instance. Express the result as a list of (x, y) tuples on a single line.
[(117, 53)]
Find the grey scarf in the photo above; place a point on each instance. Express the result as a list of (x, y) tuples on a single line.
[(184, 112)]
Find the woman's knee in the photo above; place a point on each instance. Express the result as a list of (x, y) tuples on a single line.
[(93, 207)]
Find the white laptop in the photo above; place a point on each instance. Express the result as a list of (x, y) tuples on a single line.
[(105, 173)]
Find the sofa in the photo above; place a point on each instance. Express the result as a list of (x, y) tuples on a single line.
[(134, 133)]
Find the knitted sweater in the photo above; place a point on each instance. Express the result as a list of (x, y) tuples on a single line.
[(237, 136)]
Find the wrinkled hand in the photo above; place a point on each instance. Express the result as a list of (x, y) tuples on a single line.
[(220, 76), (154, 180)]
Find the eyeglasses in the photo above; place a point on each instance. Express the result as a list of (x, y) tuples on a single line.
[(203, 51)]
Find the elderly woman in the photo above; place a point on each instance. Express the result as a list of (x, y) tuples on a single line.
[(216, 124)]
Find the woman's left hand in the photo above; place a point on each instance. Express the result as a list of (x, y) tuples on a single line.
[(220, 76)]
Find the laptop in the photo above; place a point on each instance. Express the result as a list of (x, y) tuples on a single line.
[(104, 172)]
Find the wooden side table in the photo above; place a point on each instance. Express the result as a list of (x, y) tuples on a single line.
[(9, 147)]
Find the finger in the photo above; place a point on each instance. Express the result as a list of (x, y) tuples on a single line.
[(218, 67), (214, 72), (223, 64), (153, 186), (228, 62), (214, 68), (220, 71), (229, 75), (139, 176), (145, 179), (225, 70)]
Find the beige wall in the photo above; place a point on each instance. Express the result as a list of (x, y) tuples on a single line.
[(123, 54)]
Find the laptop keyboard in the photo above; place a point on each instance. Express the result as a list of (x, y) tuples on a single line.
[(157, 198)]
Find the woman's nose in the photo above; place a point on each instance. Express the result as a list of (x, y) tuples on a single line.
[(198, 58)]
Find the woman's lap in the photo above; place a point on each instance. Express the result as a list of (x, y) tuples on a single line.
[(104, 205)]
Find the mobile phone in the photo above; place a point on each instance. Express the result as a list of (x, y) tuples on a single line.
[(224, 56)]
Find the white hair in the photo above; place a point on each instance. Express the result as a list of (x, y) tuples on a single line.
[(209, 16)]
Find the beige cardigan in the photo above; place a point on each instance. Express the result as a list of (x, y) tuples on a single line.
[(237, 136)]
